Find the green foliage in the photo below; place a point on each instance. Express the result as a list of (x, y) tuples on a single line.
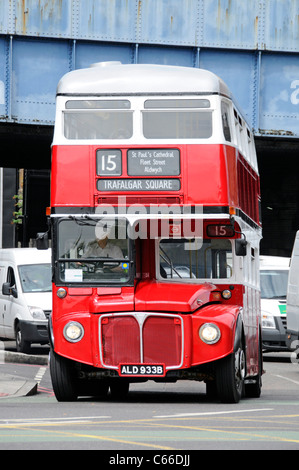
[(18, 213)]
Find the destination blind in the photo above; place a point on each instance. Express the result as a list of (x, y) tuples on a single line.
[(140, 162), (153, 162), (144, 184)]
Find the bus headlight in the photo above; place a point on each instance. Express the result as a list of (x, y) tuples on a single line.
[(209, 333), (73, 331)]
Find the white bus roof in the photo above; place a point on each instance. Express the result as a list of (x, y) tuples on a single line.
[(108, 78), (274, 262)]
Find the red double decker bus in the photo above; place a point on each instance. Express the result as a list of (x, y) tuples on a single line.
[(155, 234)]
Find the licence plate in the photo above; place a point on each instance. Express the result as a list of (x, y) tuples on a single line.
[(143, 370)]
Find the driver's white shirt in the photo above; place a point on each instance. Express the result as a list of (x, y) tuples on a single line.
[(109, 251)]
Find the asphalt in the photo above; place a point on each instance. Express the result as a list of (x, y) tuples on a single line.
[(13, 385)]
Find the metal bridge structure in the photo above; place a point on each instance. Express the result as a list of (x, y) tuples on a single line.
[(252, 45)]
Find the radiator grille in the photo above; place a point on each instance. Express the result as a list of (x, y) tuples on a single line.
[(151, 339), (162, 340), (120, 340)]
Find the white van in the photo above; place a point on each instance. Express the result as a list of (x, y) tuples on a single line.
[(25, 296), (274, 273), (293, 298)]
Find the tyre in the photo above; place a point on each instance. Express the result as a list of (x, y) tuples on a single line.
[(22, 345), (230, 373), (62, 376), (211, 390)]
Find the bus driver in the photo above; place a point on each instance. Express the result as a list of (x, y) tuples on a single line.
[(102, 247)]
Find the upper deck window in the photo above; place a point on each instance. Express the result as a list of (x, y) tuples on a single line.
[(98, 119), (98, 104), (184, 103), (225, 121), (177, 119)]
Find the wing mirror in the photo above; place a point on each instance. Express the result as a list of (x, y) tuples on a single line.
[(8, 290), (241, 246), (42, 242)]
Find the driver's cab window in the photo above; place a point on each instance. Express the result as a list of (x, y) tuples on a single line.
[(92, 239), (195, 259), (93, 250)]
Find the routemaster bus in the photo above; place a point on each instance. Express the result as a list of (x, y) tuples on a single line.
[(155, 233)]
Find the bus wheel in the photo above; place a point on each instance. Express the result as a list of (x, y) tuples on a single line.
[(119, 388), (230, 375), (63, 382), (211, 389)]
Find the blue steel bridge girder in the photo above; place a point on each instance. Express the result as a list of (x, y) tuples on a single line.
[(253, 46)]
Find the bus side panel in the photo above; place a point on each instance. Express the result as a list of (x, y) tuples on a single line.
[(251, 321), (231, 162), (249, 189), (70, 176), (223, 178)]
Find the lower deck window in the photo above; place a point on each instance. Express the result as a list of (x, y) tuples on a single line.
[(195, 259)]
